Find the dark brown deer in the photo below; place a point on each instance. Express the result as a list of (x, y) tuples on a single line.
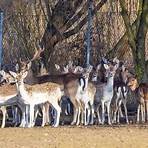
[(141, 94)]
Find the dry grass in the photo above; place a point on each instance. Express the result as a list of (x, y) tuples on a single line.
[(75, 137)]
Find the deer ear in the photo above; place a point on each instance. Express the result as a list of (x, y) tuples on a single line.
[(2, 72), (17, 67), (123, 68), (65, 69), (89, 69), (78, 69), (29, 65), (13, 74), (98, 67), (116, 66), (106, 66), (57, 67), (24, 75)]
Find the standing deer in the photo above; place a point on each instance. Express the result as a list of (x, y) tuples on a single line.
[(104, 92), (81, 93), (141, 94), (120, 94), (8, 97), (36, 94)]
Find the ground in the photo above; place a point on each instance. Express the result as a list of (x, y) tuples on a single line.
[(132, 136)]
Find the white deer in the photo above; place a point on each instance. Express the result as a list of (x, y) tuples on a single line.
[(104, 92)]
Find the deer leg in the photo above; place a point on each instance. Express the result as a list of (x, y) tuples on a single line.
[(27, 115), (3, 109), (115, 115), (58, 110), (143, 112), (125, 109), (98, 114), (44, 115), (103, 112), (23, 120), (146, 105), (85, 115), (92, 113), (78, 117), (108, 112), (138, 113), (75, 112), (31, 124), (118, 111), (47, 120), (36, 111)]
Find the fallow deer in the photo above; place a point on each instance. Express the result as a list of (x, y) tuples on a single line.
[(120, 94), (141, 94), (36, 94), (81, 93), (8, 97), (104, 92)]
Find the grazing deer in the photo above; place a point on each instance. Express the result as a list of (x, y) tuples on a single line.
[(104, 92), (141, 94)]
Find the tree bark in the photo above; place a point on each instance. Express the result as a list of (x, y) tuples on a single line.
[(137, 43), (56, 29)]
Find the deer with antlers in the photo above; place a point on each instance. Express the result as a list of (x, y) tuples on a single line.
[(36, 94)]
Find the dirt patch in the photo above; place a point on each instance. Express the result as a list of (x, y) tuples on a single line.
[(74, 137)]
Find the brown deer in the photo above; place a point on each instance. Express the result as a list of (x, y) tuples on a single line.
[(141, 94), (8, 97), (120, 94)]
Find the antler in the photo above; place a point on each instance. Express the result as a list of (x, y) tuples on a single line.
[(37, 54)]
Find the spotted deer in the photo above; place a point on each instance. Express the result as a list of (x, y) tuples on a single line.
[(32, 95), (36, 94), (141, 94)]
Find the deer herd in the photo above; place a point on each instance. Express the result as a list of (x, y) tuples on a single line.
[(94, 92)]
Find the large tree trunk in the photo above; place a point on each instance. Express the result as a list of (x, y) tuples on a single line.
[(140, 43), (137, 43), (61, 20)]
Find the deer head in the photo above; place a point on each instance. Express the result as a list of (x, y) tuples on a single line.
[(110, 70), (6, 77), (19, 77), (86, 71), (132, 83), (26, 65), (69, 68), (95, 73)]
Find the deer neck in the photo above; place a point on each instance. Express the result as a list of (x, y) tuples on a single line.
[(110, 82), (22, 89), (83, 83)]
